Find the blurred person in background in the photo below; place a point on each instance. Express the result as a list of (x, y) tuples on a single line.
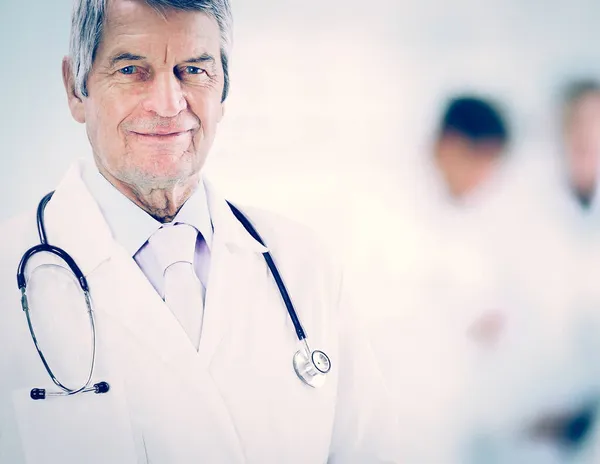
[(580, 119), (511, 292), (581, 126), (557, 175), (478, 306), (417, 265), (471, 142), (538, 390)]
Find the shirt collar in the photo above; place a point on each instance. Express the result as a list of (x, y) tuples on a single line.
[(130, 225), (196, 212)]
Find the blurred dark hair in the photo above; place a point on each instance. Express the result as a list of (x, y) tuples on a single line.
[(475, 119)]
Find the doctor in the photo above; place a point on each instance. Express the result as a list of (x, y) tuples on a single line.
[(188, 346)]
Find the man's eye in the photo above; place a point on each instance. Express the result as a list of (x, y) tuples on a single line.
[(127, 70), (194, 70)]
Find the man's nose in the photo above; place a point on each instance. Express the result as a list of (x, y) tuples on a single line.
[(165, 96)]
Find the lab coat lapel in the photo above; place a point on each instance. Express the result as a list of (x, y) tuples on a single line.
[(75, 223), (121, 292), (130, 300), (237, 272)]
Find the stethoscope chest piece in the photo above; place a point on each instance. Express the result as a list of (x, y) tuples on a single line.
[(311, 366)]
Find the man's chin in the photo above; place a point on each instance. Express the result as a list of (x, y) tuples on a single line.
[(164, 180), (152, 178)]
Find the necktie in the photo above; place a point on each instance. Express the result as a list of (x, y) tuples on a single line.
[(174, 247)]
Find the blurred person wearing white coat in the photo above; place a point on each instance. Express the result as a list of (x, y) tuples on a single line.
[(581, 162), (418, 265), (581, 120), (211, 382), (480, 351), (546, 383)]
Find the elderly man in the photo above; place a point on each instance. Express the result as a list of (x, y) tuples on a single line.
[(149, 323)]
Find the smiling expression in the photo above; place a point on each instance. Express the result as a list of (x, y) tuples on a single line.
[(154, 94)]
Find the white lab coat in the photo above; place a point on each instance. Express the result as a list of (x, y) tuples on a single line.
[(235, 400), (541, 364), (444, 272), (424, 283)]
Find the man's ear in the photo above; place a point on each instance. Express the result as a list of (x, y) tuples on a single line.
[(75, 100)]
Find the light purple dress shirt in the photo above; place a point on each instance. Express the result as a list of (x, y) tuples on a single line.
[(132, 227)]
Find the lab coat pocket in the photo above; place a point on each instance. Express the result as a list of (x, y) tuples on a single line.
[(85, 428)]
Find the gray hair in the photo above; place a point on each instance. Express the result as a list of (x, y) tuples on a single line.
[(88, 23)]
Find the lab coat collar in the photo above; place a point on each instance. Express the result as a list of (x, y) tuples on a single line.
[(131, 226), (75, 223), (226, 225)]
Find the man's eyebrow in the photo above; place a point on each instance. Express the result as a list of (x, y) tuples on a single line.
[(125, 57), (204, 58)]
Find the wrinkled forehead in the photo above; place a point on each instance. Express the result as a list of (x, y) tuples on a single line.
[(133, 23)]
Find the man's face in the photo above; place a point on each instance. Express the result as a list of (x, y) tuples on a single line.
[(154, 94), (466, 165), (582, 139)]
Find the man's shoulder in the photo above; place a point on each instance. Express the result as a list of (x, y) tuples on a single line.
[(17, 234), (281, 232), (296, 247), (311, 270)]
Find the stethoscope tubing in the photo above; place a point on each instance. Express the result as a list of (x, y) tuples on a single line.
[(102, 387), (273, 268)]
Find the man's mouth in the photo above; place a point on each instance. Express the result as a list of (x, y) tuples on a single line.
[(161, 135)]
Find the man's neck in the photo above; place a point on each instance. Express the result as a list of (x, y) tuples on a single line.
[(162, 204)]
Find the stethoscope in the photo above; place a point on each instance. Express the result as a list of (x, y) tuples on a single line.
[(310, 366)]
